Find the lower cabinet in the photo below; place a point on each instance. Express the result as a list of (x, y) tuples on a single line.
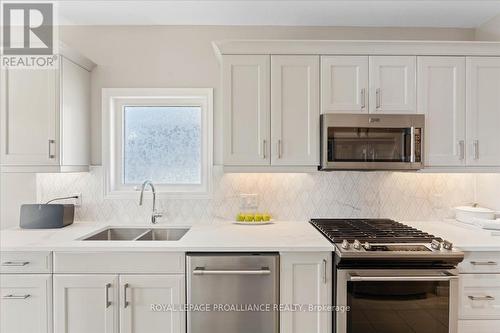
[(306, 279), (118, 303), (150, 303), (86, 303), (478, 326), (26, 303)]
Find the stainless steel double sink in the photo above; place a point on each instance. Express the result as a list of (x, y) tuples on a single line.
[(137, 234)]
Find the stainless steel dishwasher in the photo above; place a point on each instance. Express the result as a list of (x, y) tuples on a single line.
[(232, 293)]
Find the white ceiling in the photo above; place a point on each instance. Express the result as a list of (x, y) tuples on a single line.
[(368, 13)]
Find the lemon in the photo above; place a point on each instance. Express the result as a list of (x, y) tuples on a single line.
[(266, 217), (249, 217), (258, 217), (240, 217)]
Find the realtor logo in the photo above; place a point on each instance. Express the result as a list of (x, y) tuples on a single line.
[(29, 35), (28, 28)]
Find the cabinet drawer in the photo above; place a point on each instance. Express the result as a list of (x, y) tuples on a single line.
[(479, 296), (25, 262), (26, 303), (478, 326), (118, 262), (480, 262)]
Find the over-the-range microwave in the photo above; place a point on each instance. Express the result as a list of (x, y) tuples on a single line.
[(372, 142)]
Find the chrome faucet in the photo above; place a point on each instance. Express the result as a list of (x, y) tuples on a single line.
[(155, 215)]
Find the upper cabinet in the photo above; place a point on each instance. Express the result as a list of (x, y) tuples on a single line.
[(295, 110), (441, 97), (483, 111), (53, 106), (368, 84), (271, 110), (393, 84), (246, 105), (274, 91), (344, 84)]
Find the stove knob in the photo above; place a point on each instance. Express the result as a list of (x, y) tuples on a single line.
[(345, 244), (447, 245), (367, 246), (435, 244), (356, 245)]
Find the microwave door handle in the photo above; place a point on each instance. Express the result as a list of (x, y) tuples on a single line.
[(412, 144)]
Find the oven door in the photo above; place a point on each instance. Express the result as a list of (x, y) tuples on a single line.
[(381, 142), (397, 301)]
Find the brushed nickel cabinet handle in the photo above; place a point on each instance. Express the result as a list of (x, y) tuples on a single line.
[(377, 95), (279, 148), (461, 148), (476, 149), (125, 302), (363, 98), (51, 155), (15, 263), (481, 298), (484, 263), (108, 303), (11, 296), (264, 149)]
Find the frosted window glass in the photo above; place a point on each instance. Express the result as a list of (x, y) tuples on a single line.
[(163, 144)]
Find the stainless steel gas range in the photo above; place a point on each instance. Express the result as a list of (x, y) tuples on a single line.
[(391, 278)]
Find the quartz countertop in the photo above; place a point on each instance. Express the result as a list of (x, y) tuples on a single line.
[(463, 236), (220, 236)]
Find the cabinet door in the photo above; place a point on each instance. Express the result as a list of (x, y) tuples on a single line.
[(29, 117), (344, 84), (483, 111), (441, 97), (145, 301), (306, 279), (393, 84), (246, 109), (26, 303), (85, 303), (295, 110)]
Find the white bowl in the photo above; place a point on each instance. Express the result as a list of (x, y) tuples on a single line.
[(468, 214)]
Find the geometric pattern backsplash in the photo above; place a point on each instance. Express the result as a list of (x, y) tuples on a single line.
[(298, 197)]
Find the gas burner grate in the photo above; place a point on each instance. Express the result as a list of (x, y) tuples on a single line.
[(370, 230)]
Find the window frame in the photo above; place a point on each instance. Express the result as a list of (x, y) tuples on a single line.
[(113, 102)]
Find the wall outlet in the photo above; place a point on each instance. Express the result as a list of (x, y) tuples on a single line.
[(78, 201), (249, 201)]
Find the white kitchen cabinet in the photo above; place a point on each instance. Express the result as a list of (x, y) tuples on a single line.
[(306, 279), (85, 303), (392, 84), (45, 118), (140, 294), (483, 111), (478, 326), (344, 84), (246, 107), (441, 97), (26, 303), (479, 296), (295, 110)]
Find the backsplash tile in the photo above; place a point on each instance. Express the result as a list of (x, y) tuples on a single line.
[(397, 195)]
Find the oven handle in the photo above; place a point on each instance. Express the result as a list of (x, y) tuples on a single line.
[(447, 277)]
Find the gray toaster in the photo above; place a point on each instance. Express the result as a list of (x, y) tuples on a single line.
[(46, 216)]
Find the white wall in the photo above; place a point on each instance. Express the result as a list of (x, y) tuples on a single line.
[(489, 30)]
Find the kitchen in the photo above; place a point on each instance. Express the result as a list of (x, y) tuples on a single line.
[(270, 108)]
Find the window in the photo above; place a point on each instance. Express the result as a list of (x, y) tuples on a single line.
[(162, 135)]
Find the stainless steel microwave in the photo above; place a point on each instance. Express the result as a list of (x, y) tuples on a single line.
[(372, 142)]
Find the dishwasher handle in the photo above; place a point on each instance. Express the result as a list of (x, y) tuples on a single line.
[(203, 271)]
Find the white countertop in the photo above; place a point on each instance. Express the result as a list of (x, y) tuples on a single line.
[(463, 236), (223, 236)]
